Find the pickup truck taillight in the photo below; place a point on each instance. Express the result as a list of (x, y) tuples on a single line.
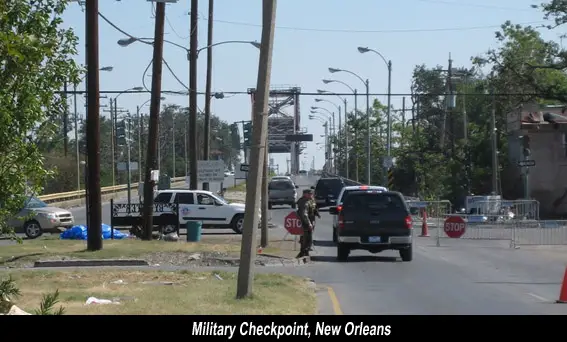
[(339, 208), (341, 220), (408, 222)]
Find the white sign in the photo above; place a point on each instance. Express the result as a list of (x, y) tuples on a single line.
[(121, 166), (388, 162), (210, 171), (239, 171)]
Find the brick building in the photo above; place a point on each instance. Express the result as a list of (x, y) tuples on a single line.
[(539, 134)]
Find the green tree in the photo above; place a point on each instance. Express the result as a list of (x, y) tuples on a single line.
[(36, 58)]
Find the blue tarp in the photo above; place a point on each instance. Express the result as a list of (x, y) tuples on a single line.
[(80, 233)]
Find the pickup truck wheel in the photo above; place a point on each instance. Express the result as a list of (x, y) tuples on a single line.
[(269, 205), (406, 254), (335, 238), (32, 229), (342, 252), (238, 223)]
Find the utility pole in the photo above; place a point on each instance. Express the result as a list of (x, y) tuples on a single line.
[(208, 85), (264, 203), (339, 136), (389, 121), (140, 126), (448, 104), (185, 148), (257, 151), (494, 143), (112, 141), (65, 122), (153, 128), (94, 204), (193, 46)]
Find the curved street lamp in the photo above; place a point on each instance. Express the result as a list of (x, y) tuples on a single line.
[(389, 123), (127, 41), (346, 127), (368, 144)]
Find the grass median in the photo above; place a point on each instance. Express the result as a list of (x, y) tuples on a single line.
[(213, 250), (165, 293)]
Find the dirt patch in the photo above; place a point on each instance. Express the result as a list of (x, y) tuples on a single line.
[(217, 251)]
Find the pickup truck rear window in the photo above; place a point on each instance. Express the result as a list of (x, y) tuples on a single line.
[(374, 202), (280, 185), (328, 187)]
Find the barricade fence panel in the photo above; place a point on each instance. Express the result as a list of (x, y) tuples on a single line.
[(531, 232)]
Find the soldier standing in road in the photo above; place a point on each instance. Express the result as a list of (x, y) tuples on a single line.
[(304, 211), (313, 213)]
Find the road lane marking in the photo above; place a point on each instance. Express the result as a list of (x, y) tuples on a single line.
[(336, 306), (537, 297)]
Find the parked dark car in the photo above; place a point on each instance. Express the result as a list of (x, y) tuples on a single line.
[(374, 221), (327, 191)]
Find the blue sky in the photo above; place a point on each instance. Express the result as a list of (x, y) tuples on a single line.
[(311, 35)]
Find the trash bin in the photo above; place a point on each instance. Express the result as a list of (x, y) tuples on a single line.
[(194, 231)]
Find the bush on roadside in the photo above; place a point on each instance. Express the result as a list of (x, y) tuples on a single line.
[(9, 292)]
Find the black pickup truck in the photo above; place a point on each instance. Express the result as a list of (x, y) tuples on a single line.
[(374, 221)]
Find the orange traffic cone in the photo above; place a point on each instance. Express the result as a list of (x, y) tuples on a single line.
[(424, 230), (563, 294)]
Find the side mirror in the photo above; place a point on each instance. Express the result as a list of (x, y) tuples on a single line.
[(297, 187), (218, 204), (333, 211)]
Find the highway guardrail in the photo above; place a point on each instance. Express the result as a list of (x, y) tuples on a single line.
[(348, 182), (71, 195)]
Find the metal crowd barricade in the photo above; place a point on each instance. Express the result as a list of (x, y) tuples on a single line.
[(434, 213), (500, 220), (542, 233)]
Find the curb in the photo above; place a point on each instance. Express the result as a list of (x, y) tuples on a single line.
[(90, 263)]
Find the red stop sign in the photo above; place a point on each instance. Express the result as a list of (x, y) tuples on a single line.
[(455, 227), (292, 224)]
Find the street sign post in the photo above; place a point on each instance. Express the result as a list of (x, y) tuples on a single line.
[(292, 224), (210, 171), (455, 227), (526, 163), (241, 172)]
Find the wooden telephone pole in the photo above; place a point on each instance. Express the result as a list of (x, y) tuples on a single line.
[(257, 152)]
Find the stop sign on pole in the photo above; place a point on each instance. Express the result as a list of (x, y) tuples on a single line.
[(455, 227), (292, 224)]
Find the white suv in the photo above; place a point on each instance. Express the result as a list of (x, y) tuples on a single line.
[(204, 206), (342, 195)]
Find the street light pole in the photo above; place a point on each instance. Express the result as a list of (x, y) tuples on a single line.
[(139, 118), (389, 123), (368, 144), (76, 119)]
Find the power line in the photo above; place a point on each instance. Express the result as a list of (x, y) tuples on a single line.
[(330, 30), (491, 7)]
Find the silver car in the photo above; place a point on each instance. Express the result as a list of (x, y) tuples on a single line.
[(282, 192), (38, 217)]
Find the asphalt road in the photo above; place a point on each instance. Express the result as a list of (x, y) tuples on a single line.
[(460, 277)]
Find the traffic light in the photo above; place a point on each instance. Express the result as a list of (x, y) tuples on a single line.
[(123, 133), (526, 145), (247, 133)]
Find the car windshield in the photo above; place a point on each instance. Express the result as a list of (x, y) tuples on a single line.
[(280, 185), (220, 199), (34, 203)]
